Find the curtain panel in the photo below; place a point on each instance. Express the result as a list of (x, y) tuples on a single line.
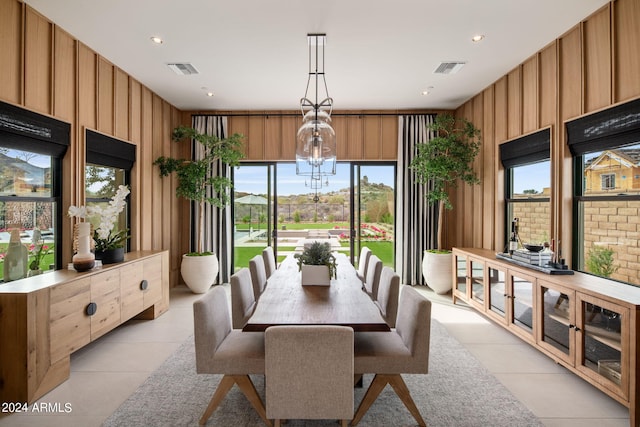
[(217, 231), (416, 220)]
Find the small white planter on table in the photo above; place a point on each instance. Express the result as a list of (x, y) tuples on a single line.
[(317, 275)]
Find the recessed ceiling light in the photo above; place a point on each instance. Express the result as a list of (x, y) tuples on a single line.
[(428, 91), (477, 38), (209, 93), (156, 40)]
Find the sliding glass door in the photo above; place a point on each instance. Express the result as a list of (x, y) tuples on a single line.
[(274, 206)]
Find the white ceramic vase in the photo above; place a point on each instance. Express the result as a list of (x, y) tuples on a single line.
[(437, 271), (199, 272), (315, 275)]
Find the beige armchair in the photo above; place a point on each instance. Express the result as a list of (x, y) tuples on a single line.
[(243, 301), (404, 350), (269, 259), (258, 275), (372, 278), (309, 372), (388, 291), (221, 350)]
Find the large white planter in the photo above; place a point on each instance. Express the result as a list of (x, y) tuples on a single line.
[(199, 272), (437, 271), (315, 275)]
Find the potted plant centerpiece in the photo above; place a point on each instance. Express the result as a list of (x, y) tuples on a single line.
[(442, 162), (317, 264), (196, 181)]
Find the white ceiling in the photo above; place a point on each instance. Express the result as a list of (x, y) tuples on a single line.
[(253, 55)]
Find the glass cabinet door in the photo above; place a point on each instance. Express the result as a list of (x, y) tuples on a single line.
[(477, 282), (497, 281), (460, 286), (521, 295), (600, 327), (557, 321)]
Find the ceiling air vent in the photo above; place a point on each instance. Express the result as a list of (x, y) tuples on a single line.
[(449, 67), (183, 69)]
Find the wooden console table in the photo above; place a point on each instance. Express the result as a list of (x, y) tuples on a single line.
[(588, 324), (45, 318)]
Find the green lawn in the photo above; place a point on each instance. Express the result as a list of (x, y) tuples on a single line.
[(297, 226), (383, 250)]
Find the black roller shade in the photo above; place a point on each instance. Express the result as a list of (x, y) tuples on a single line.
[(106, 151), (614, 127), (528, 149), (25, 130)]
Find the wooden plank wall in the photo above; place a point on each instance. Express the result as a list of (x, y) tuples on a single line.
[(44, 69), (592, 66)]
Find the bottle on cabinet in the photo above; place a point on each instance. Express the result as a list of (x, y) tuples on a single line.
[(16, 258), (513, 239)]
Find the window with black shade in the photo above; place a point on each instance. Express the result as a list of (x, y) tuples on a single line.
[(606, 152), (109, 163), (528, 186), (31, 151)]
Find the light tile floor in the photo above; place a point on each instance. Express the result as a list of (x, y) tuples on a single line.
[(106, 372)]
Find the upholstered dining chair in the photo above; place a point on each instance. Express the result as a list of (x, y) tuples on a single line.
[(372, 278), (363, 260), (222, 350), (404, 350), (258, 275), (243, 300), (388, 290), (269, 259), (309, 372)]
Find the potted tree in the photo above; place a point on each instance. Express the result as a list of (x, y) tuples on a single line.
[(442, 162), (317, 264), (197, 182)]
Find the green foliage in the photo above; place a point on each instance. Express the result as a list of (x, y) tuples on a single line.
[(297, 216), (318, 254), (448, 157), (196, 178), (600, 261)]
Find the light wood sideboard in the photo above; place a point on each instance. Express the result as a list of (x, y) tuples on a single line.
[(588, 324), (45, 318)]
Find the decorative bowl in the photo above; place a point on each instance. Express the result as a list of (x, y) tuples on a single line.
[(532, 247)]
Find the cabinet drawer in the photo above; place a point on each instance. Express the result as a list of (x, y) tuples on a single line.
[(152, 269), (105, 293), (70, 327), (130, 293)]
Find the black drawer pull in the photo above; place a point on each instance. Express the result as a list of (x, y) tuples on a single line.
[(144, 285), (91, 309)]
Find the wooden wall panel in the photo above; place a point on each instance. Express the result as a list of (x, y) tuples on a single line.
[(37, 62), (626, 48), (240, 124), (355, 137), (514, 102), (372, 137), (170, 231), (339, 124), (105, 96), (488, 168), (570, 48), (530, 102), (147, 174), (121, 104), (597, 60), (135, 111), (290, 126), (134, 107), (273, 138), (548, 85), (501, 111), (86, 87), (158, 208), (478, 201), (11, 51), (64, 76), (389, 138), (255, 138)]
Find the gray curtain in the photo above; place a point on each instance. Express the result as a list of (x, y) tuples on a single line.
[(416, 221), (217, 232)]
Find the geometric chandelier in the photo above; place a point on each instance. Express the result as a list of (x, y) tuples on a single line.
[(316, 139)]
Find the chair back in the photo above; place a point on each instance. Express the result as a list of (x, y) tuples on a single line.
[(258, 275), (363, 260), (388, 291), (211, 325), (316, 380), (413, 324), (372, 279), (269, 259), (243, 300)]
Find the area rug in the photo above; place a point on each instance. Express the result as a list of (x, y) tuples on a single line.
[(458, 391)]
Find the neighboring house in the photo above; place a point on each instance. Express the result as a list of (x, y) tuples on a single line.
[(21, 177), (613, 170)]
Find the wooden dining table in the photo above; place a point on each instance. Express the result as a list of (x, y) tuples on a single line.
[(285, 301)]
